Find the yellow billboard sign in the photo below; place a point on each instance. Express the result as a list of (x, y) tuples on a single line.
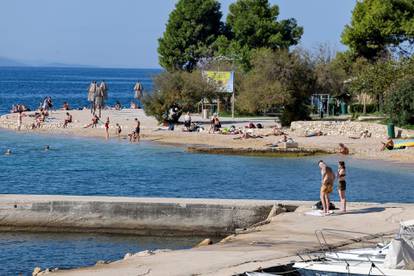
[(224, 79)]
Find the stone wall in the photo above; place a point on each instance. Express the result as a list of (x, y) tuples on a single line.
[(339, 128)]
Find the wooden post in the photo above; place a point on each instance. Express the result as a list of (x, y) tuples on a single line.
[(232, 105)]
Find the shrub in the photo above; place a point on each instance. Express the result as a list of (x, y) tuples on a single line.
[(359, 108)]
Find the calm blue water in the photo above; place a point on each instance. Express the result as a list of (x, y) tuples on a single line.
[(29, 85), (22, 252), (80, 166)]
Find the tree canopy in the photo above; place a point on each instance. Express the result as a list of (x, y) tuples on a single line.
[(380, 25), (252, 24), (191, 29)]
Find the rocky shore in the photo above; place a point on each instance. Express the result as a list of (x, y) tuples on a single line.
[(342, 128)]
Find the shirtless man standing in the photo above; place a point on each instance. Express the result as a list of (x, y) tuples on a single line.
[(328, 178)]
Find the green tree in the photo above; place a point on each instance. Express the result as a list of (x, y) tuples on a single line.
[(252, 24), (380, 25), (185, 89), (374, 79), (399, 101), (193, 26), (277, 78)]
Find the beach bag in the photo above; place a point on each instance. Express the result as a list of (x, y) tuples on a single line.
[(318, 205)]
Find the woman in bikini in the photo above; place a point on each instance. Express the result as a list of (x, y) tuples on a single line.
[(342, 184)]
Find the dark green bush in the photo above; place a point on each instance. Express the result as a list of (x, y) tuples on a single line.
[(178, 88)]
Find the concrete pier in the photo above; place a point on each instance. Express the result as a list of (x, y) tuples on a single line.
[(268, 245), (124, 215)]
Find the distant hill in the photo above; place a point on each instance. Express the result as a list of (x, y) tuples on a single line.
[(57, 64), (7, 62)]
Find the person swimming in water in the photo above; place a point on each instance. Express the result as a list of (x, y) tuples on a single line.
[(8, 152)]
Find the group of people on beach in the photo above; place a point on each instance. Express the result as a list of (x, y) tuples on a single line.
[(327, 185), (97, 95)]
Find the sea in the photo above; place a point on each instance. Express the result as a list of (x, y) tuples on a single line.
[(30, 85), (87, 166)]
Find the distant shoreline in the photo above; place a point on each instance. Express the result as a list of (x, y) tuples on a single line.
[(78, 66)]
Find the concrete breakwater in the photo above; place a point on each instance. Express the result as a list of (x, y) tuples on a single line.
[(141, 216)]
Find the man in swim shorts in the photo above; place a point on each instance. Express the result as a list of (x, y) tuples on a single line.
[(328, 178)]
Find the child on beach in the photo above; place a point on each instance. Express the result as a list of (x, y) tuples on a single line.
[(137, 130), (118, 130), (107, 128), (342, 184)]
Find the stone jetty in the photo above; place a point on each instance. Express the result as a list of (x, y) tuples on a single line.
[(289, 228)]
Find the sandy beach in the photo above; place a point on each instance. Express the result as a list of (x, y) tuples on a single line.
[(365, 148)]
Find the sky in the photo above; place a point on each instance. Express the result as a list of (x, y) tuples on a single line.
[(124, 33)]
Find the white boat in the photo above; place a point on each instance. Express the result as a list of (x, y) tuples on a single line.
[(333, 268), (376, 254), (394, 259)]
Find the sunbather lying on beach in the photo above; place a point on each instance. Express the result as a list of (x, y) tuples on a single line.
[(284, 139), (314, 133), (248, 135), (232, 130), (363, 134)]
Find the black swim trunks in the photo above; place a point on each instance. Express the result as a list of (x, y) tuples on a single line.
[(137, 130), (342, 185)]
